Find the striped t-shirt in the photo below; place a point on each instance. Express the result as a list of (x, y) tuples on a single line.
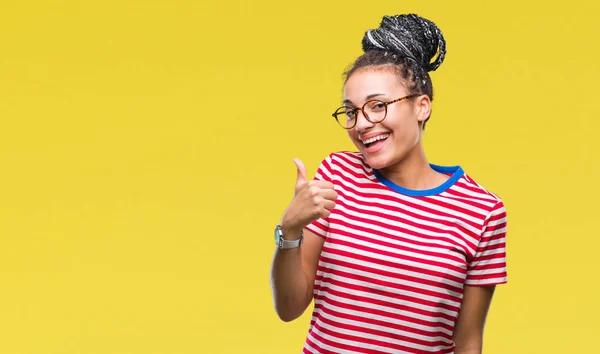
[(394, 263)]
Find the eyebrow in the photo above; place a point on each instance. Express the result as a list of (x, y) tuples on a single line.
[(368, 97)]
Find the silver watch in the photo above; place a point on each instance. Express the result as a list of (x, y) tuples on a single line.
[(281, 243)]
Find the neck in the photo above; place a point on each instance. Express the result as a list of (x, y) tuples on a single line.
[(414, 171)]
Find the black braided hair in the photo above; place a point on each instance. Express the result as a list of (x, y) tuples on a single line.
[(407, 43)]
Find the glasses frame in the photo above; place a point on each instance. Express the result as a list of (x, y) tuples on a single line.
[(362, 109)]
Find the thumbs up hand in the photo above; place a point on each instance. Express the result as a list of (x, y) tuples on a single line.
[(301, 179), (312, 200)]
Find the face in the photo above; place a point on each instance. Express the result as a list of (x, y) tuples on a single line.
[(392, 140)]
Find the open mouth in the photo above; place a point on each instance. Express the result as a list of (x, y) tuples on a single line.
[(375, 141)]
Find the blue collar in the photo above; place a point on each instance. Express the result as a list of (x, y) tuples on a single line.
[(456, 171)]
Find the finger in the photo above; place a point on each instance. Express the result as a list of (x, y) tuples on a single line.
[(324, 213), (328, 204), (321, 184), (301, 175), (328, 194)]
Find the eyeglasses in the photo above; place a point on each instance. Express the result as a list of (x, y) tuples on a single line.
[(374, 111)]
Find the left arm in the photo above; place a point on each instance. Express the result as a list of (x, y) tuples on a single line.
[(468, 331)]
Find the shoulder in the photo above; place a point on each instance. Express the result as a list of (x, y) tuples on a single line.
[(344, 165), (473, 190), (347, 157), (346, 161)]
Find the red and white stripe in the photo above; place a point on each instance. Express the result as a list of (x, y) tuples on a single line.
[(393, 267)]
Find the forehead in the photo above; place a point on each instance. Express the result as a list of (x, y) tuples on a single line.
[(367, 81)]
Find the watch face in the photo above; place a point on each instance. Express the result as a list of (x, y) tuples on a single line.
[(277, 234)]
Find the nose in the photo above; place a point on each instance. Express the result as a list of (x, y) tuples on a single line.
[(362, 123)]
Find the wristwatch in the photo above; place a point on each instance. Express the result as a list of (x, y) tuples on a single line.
[(281, 243)]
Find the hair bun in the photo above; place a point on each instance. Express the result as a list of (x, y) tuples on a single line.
[(411, 36)]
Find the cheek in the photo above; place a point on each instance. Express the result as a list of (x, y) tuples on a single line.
[(405, 135), (403, 127)]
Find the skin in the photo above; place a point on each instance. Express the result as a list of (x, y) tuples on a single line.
[(402, 160)]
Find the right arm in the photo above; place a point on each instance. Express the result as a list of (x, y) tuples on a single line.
[(293, 271), (293, 275)]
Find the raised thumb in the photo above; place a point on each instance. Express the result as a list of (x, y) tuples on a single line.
[(301, 176)]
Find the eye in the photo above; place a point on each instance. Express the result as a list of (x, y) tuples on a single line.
[(351, 114), (377, 106)]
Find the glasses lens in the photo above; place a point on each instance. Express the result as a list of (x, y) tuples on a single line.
[(376, 110), (346, 117)]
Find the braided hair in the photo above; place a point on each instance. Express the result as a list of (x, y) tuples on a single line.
[(408, 44)]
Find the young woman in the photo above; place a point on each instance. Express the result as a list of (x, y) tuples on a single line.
[(399, 255)]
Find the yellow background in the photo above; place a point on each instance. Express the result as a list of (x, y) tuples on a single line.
[(146, 155)]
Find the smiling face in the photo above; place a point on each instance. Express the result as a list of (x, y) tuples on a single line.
[(393, 140)]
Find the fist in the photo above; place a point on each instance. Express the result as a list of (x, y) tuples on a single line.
[(312, 200)]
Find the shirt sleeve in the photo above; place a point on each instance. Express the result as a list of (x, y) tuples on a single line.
[(324, 173), (488, 266)]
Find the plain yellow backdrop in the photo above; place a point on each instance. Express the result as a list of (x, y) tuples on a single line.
[(146, 155)]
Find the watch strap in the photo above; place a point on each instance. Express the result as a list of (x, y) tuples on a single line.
[(286, 244)]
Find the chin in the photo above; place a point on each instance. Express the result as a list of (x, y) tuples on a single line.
[(386, 159), (377, 162)]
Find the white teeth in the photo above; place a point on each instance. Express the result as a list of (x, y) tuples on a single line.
[(375, 138)]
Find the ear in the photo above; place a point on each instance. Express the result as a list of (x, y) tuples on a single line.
[(423, 105)]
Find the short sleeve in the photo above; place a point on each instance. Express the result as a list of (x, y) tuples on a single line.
[(488, 266), (324, 173)]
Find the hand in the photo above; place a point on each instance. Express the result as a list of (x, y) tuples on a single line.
[(312, 200)]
